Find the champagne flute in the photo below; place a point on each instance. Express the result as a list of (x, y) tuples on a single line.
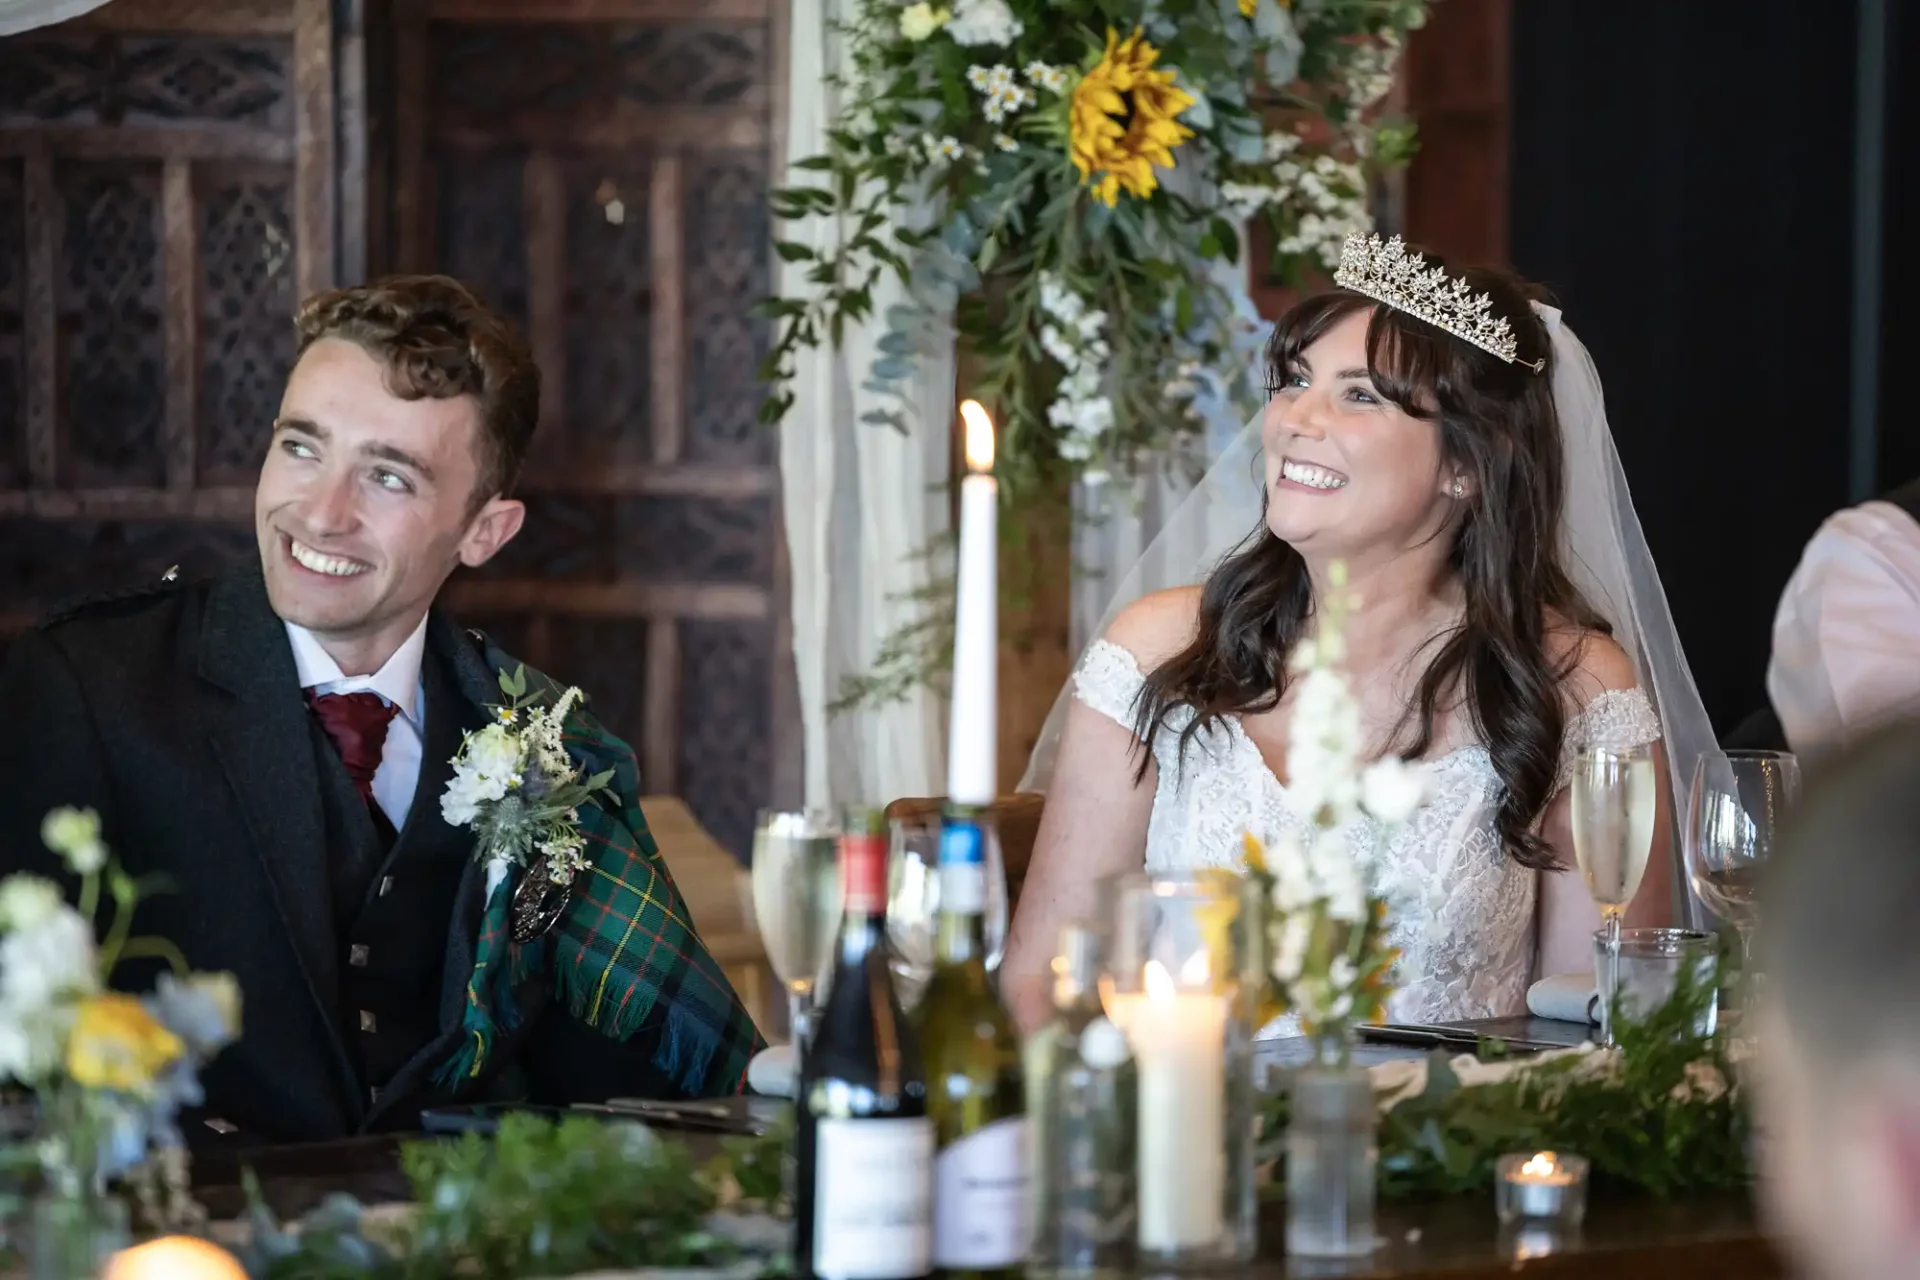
[(1615, 802), (796, 902), (1734, 813)]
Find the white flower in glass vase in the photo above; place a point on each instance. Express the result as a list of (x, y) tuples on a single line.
[(1332, 964)]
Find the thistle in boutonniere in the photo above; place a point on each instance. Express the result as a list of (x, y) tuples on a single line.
[(1332, 963), (515, 785)]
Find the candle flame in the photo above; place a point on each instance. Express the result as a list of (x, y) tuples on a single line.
[(1540, 1166), (1198, 970), (1158, 981), (979, 435)]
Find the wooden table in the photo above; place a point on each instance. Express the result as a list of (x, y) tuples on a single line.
[(1709, 1237)]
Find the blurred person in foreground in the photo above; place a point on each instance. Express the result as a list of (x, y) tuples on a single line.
[(1838, 1031)]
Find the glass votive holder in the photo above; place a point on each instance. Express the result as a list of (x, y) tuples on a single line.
[(1172, 985), (1649, 968), (1543, 1188)]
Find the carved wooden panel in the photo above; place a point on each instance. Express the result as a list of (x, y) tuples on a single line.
[(166, 195), (600, 171), (247, 294), (13, 302)]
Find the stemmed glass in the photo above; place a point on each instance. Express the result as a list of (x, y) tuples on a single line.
[(913, 904), (796, 902), (1615, 803), (1734, 814)]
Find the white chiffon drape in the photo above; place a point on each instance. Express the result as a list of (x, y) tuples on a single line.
[(858, 499), (24, 15)]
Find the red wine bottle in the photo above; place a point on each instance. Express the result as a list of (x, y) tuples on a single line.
[(864, 1207)]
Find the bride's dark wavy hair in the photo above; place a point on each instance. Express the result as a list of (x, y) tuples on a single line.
[(1497, 426)]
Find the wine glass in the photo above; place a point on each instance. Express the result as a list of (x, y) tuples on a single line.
[(796, 902), (1734, 813), (1615, 802), (913, 904)]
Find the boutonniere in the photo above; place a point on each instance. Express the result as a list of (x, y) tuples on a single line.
[(515, 785)]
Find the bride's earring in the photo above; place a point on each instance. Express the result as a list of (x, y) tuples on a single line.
[(1459, 488)]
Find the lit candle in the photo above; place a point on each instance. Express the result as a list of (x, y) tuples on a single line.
[(1543, 1185), (971, 773), (1179, 1046)]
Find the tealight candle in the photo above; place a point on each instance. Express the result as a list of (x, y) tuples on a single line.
[(1544, 1185)]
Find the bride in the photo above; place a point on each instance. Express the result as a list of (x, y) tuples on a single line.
[(1504, 602)]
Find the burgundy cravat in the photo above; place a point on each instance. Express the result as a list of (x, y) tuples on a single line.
[(357, 723)]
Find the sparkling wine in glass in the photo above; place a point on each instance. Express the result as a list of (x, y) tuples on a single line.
[(1615, 803), (797, 902), (1734, 813)]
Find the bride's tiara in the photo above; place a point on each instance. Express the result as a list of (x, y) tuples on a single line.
[(1387, 272)]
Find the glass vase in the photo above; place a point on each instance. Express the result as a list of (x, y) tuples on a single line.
[(1332, 1146), (73, 1236), (1175, 984), (1081, 1106)]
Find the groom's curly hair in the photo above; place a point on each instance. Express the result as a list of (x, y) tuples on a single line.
[(1498, 426), (438, 341)]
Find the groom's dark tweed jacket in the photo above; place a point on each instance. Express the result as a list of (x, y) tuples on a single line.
[(177, 713)]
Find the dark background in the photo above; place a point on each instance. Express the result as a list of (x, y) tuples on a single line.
[(1683, 177)]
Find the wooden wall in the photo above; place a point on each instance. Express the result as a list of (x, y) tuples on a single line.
[(176, 174)]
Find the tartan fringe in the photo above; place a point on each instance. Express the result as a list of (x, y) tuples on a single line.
[(491, 1006), (686, 1051)]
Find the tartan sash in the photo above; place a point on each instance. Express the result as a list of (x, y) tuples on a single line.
[(625, 947)]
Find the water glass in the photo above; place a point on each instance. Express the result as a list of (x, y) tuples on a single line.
[(1648, 967), (913, 903), (1735, 811)]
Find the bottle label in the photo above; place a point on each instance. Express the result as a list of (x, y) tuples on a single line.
[(963, 887), (963, 868), (873, 1198), (981, 1217)]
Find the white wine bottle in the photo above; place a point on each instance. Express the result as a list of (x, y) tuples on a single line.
[(864, 1149), (982, 1221)]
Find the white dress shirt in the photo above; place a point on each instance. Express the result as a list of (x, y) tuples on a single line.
[(398, 683), (1846, 639)]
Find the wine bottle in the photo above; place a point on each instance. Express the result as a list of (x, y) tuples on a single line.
[(865, 1144), (981, 1219)]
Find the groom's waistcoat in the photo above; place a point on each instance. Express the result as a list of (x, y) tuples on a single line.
[(393, 906)]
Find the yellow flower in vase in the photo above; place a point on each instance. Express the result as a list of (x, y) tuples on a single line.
[(117, 1045), (1121, 122)]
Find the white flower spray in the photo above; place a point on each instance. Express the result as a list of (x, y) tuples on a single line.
[(1332, 965)]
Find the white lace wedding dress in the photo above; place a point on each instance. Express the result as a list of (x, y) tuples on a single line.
[(1464, 919)]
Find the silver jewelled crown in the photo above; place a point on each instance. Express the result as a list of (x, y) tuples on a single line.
[(1388, 272)]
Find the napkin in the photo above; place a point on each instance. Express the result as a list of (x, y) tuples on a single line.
[(772, 1071), (1569, 997)]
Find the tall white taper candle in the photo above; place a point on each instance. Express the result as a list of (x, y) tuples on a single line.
[(976, 631)]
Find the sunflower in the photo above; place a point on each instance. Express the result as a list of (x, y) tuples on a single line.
[(1122, 122)]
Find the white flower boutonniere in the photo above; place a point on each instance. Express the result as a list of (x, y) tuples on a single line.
[(515, 785)]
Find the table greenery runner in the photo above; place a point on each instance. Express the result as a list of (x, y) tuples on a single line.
[(547, 1199), (1662, 1114)]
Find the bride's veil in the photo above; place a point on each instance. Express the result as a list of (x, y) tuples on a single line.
[(1600, 541)]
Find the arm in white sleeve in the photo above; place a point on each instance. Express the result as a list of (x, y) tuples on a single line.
[(1846, 638)]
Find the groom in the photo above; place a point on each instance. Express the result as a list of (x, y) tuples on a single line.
[(274, 744)]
